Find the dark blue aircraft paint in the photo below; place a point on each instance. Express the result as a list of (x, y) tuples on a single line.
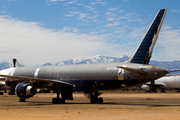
[(143, 55)]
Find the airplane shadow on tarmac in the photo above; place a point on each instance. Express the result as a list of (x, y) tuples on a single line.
[(37, 103)]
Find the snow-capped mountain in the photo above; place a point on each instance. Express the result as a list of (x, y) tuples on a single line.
[(91, 60), (101, 59), (5, 65)]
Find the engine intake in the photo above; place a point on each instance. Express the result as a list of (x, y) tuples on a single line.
[(25, 90)]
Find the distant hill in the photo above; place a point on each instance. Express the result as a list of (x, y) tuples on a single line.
[(5, 65), (101, 59), (91, 60)]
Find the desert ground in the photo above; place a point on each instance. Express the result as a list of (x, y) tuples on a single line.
[(116, 106)]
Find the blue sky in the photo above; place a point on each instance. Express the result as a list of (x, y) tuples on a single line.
[(39, 31)]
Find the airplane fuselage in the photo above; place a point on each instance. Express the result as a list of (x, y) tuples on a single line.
[(169, 82), (90, 77)]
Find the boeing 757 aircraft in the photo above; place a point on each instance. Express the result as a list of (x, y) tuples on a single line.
[(91, 78)]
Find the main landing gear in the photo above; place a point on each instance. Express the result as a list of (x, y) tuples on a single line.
[(93, 96), (58, 100), (12, 92), (96, 100), (1, 93)]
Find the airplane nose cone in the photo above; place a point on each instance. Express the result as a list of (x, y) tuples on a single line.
[(161, 71)]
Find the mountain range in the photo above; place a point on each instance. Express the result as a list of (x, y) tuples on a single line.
[(101, 59)]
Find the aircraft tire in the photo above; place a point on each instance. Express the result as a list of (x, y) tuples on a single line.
[(46, 91), (58, 101), (1, 93), (155, 91), (11, 93), (94, 100), (55, 101), (62, 101), (100, 100), (163, 91), (22, 100)]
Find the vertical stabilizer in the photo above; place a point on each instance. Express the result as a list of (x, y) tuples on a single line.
[(145, 49), (15, 63)]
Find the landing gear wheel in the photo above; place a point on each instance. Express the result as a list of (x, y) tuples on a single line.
[(11, 93), (96, 100), (155, 91), (46, 91), (1, 93), (62, 101), (163, 90), (54, 101), (148, 91), (100, 100), (58, 101), (22, 100)]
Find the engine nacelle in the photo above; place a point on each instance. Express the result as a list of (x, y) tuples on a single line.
[(145, 87), (25, 90)]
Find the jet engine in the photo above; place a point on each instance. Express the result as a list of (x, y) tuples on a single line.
[(145, 87), (25, 90)]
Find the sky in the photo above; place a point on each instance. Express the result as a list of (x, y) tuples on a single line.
[(40, 31)]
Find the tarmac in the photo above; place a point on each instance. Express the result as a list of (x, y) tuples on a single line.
[(116, 106)]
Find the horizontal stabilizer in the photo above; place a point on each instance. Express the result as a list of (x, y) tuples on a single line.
[(134, 71)]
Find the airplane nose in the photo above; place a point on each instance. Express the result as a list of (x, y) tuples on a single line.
[(161, 71)]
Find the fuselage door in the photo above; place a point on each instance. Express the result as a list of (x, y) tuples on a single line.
[(36, 73), (120, 74)]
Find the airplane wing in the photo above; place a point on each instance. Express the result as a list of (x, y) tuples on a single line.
[(134, 71), (48, 82)]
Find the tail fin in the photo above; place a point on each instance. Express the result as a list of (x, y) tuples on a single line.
[(15, 63), (145, 49)]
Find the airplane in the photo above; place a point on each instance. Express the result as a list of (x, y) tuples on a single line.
[(166, 82), (91, 78)]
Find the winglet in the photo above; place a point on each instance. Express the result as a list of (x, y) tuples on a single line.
[(145, 49)]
